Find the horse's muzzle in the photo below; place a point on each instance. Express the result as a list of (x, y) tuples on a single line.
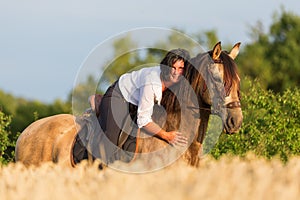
[(233, 122)]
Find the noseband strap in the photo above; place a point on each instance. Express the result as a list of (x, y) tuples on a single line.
[(235, 104)]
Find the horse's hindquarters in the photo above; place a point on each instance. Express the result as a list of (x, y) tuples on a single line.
[(47, 140)]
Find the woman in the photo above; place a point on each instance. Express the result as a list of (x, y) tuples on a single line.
[(135, 93)]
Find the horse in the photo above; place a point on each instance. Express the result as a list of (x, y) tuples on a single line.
[(211, 85)]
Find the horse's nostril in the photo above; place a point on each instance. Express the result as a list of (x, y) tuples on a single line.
[(233, 124), (232, 121)]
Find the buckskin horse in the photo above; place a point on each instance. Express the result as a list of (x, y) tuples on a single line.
[(211, 86)]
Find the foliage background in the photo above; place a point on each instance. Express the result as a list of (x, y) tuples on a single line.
[(270, 71)]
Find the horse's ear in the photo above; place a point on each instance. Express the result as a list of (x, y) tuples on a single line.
[(216, 51), (235, 51)]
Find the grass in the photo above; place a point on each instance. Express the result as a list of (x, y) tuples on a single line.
[(227, 178)]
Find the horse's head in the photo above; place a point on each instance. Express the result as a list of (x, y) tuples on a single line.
[(225, 68), (219, 87)]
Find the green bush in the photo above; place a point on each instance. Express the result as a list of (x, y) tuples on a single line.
[(5, 141), (271, 125)]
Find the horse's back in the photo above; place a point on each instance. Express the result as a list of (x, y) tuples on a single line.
[(47, 140)]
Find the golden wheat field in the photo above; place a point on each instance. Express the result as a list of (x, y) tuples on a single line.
[(227, 178)]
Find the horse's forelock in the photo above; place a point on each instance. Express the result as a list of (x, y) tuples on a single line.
[(230, 73)]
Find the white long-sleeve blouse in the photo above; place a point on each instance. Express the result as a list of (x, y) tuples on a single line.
[(142, 88)]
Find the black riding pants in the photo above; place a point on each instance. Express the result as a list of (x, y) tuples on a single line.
[(113, 111)]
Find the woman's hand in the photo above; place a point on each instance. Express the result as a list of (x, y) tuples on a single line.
[(175, 138)]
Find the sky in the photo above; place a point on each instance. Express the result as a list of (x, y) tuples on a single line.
[(43, 44)]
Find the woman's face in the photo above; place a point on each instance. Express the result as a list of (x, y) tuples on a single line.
[(177, 71)]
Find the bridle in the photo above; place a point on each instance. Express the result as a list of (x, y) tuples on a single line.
[(220, 105), (231, 105)]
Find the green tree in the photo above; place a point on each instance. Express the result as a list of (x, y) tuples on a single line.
[(252, 60), (80, 94), (283, 51), (207, 39), (272, 57), (23, 112), (126, 57), (8, 103)]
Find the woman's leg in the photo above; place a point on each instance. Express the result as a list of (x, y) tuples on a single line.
[(113, 111)]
